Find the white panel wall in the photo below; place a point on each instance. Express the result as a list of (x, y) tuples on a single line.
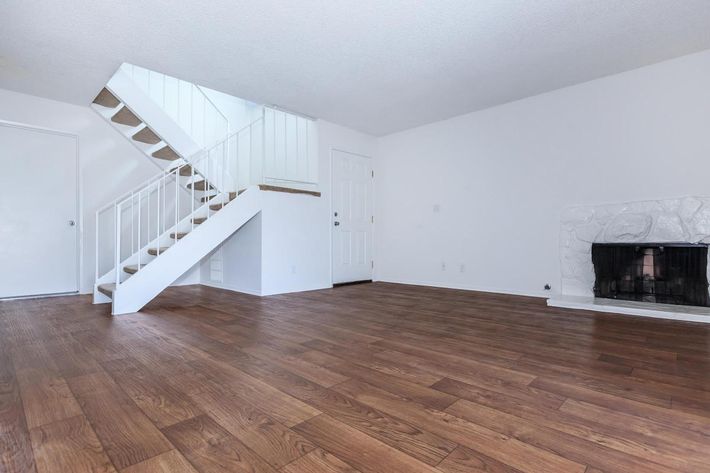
[(475, 201), (291, 150)]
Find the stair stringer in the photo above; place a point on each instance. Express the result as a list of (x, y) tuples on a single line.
[(133, 294), (141, 255), (127, 91)]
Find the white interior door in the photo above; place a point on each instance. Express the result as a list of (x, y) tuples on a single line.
[(39, 209), (352, 217)]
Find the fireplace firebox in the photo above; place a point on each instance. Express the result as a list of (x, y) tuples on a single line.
[(666, 273)]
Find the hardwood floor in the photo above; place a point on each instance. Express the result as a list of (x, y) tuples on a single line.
[(368, 378)]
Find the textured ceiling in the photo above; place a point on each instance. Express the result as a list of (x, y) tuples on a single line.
[(378, 66)]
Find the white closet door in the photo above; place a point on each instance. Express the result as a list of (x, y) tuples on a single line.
[(352, 217), (39, 210)]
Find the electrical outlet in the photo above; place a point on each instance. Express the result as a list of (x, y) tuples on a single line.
[(443, 266), (462, 268)]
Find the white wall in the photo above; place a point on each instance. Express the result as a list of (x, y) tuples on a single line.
[(296, 229), (295, 243), (109, 164), (239, 112), (475, 201)]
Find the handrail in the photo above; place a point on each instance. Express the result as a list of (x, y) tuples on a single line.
[(212, 103), (156, 177), (133, 190)]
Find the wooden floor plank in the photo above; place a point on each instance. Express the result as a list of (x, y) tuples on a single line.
[(170, 462), (69, 445), (576, 441), (318, 461), (465, 460), (276, 443), (128, 436), (504, 448), (15, 446), (162, 403), (421, 394), (355, 447), (212, 449), (46, 399)]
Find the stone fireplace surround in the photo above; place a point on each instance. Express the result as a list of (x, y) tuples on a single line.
[(681, 220)]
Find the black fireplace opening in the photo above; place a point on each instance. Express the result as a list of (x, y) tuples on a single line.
[(666, 273)]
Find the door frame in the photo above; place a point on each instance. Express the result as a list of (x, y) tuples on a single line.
[(334, 149), (79, 204)]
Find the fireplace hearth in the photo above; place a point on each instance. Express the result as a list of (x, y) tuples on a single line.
[(666, 273)]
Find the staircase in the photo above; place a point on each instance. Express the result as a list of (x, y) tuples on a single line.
[(208, 184), (149, 237)]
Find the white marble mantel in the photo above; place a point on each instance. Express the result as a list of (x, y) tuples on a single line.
[(682, 220)]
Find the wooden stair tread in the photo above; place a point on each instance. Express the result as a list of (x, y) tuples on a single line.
[(146, 135), (126, 117), (179, 235), (166, 152), (186, 170), (199, 185), (132, 268), (106, 99), (154, 251), (199, 220), (232, 196), (107, 289)]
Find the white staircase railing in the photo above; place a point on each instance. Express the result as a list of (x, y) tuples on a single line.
[(186, 103), (151, 216)]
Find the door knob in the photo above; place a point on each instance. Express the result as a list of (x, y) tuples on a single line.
[(336, 223), (72, 223)]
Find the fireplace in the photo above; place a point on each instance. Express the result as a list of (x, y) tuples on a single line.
[(666, 273)]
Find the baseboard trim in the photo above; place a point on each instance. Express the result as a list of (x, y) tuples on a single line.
[(228, 287), (317, 288), (41, 296), (352, 283)]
